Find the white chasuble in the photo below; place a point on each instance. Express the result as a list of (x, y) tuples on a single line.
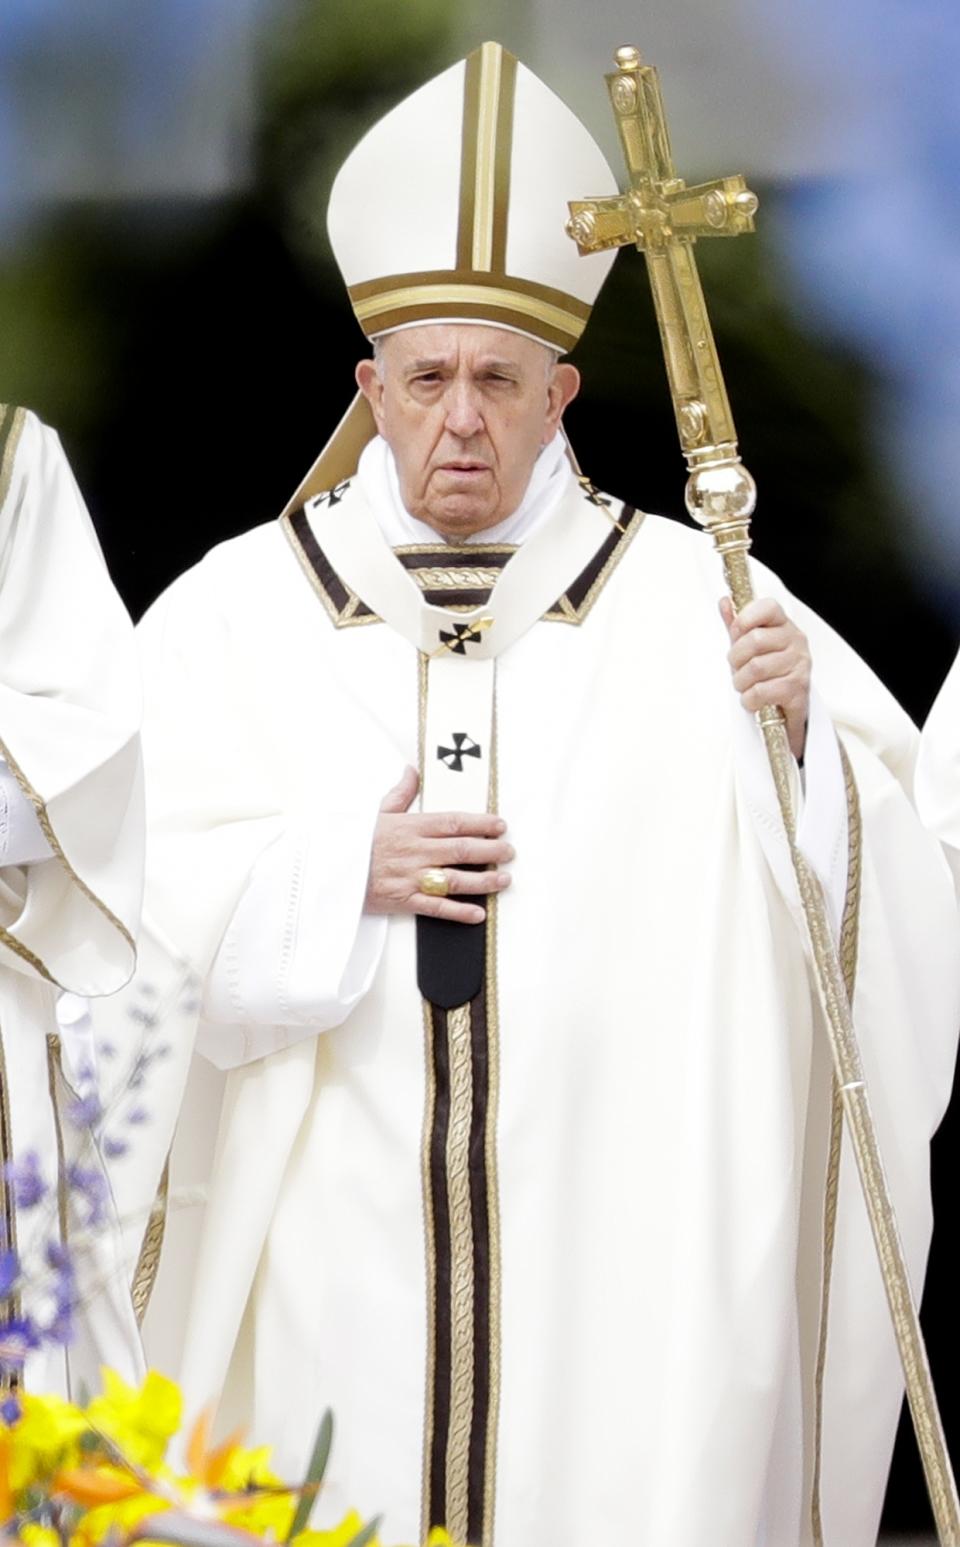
[(70, 874), (938, 766), (557, 1256)]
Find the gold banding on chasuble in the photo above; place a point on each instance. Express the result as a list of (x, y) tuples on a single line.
[(8, 1218), (11, 427), (148, 1260), (455, 578), (46, 827), (462, 1244), (848, 951)]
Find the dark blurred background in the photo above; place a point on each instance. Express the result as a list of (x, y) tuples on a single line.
[(168, 300)]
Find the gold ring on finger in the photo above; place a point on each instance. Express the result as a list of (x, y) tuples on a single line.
[(435, 883)]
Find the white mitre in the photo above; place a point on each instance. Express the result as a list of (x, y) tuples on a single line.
[(453, 208)]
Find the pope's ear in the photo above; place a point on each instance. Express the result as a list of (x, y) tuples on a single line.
[(563, 388), (368, 380)]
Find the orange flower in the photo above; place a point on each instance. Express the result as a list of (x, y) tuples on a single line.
[(92, 1486), (209, 1465)]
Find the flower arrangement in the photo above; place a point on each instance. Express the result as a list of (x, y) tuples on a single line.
[(79, 1476), (98, 1471)]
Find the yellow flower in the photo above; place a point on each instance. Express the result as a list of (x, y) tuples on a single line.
[(440, 1538), (44, 1438), (38, 1536), (116, 1520), (338, 1536), (139, 1422), (267, 1517)]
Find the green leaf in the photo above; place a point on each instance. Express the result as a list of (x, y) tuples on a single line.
[(314, 1477), (367, 1534)]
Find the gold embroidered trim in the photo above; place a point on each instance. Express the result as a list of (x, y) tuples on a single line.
[(589, 601), (430, 1244), (525, 289), (493, 1179), (429, 1221), (148, 1262), (340, 619), (484, 186), (12, 421), (8, 1382), (455, 579), (458, 551), (53, 1072), (32, 960), (461, 1269), (46, 827), (461, 575), (416, 303), (849, 946)]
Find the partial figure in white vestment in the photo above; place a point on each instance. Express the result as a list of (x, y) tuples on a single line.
[(528, 1136), (71, 875), (938, 766)]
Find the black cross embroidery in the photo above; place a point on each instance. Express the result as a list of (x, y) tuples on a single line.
[(592, 492), (463, 634), (335, 495), (462, 747)]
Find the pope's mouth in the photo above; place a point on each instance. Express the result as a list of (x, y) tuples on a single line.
[(464, 469)]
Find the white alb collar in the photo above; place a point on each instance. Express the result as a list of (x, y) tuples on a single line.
[(377, 478)]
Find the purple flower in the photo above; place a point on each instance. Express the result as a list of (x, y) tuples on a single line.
[(24, 1176), (9, 1272), (59, 1258), (17, 1338), (143, 1017), (138, 1115), (85, 1111), (61, 1329), (10, 1411), (114, 1148), (92, 1187), (107, 1050)]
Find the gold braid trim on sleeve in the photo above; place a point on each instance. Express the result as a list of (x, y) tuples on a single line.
[(849, 944), (148, 1262)]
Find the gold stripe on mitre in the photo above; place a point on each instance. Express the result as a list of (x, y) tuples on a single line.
[(486, 148), (401, 299)]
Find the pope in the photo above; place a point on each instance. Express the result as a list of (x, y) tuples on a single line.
[(460, 818)]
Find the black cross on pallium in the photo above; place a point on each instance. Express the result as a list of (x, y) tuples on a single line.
[(592, 492), (463, 634), (335, 495), (462, 747)]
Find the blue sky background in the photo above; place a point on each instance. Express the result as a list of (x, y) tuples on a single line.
[(856, 102)]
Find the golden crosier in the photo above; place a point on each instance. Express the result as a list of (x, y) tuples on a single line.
[(664, 218)]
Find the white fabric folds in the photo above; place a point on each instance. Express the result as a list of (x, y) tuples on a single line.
[(657, 1062), (71, 876)]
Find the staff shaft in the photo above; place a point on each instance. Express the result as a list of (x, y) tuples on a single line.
[(663, 218)]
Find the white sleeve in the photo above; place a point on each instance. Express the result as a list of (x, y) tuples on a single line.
[(938, 765), (820, 803), (299, 952), (22, 841), (822, 823)]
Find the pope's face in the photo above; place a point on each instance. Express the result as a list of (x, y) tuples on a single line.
[(465, 410)]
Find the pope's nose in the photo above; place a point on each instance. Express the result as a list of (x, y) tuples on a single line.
[(464, 417)]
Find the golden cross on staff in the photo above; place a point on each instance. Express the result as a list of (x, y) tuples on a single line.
[(664, 218)]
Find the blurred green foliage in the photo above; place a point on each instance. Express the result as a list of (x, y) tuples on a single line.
[(327, 72), (119, 320)]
